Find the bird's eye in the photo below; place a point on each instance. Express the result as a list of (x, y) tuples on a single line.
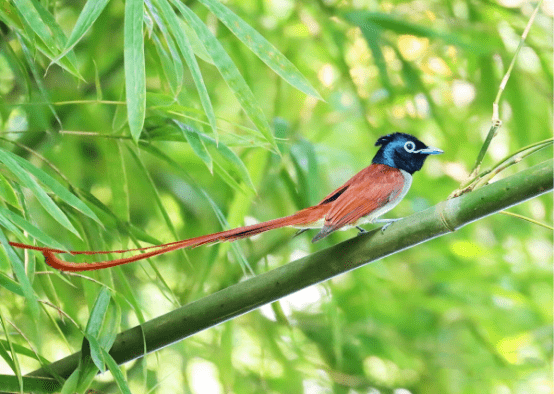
[(409, 147)]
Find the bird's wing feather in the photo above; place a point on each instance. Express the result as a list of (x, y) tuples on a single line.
[(370, 189)]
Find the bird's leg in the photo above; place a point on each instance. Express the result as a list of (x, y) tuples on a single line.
[(361, 231), (387, 222), (296, 234)]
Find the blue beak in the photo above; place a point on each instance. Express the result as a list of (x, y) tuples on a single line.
[(430, 150)]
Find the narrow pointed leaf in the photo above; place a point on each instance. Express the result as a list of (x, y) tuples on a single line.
[(57, 188), (7, 193), (95, 323), (229, 72), (188, 55), (43, 198), (91, 11), (38, 79), (197, 145), (33, 19), (229, 156), (261, 47), (177, 64), (10, 285), (116, 372), (21, 276), (29, 228), (135, 75)]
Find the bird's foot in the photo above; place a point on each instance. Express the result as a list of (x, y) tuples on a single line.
[(296, 234), (361, 231), (387, 222)]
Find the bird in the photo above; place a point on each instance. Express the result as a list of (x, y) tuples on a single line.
[(362, 199)]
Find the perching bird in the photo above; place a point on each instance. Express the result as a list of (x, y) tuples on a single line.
[(366, 196)]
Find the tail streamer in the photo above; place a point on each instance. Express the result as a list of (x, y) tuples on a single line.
[(304, 217)]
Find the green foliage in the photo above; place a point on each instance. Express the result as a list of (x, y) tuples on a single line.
[(113, 133)]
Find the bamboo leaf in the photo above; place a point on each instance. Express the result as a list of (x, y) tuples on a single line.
[(118, 180), (197, 145), (43, 198), (146, 176), (91, 11), (229, 72), (116, 372), (15, 361), (57, 188), (38, 79), (188, 55), (94, 324), (10, 285), (135, 77), (176, 62), (21, 276), (261, 47), (35, 22), (31, 229), (7, 193), (230, 157)]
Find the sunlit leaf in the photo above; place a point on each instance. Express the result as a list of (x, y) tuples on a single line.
[(116, 372), (135, 78), (197, 145), (23, 280), (39, 192), (188, 54), (57, 188), (94, 324), (33, 231), (261, 47), (91, 11), (229, 72)]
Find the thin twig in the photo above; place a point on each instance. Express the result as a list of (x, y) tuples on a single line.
[(527, 219), (496, 121)]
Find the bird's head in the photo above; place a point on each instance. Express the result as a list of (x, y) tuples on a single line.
[(403, 151)]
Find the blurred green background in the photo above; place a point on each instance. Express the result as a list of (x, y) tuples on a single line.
[(465, 313)]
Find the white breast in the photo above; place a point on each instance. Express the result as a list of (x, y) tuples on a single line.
[(391, 204)]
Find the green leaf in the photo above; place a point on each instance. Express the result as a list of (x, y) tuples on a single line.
[(95, 323), (57, 188), (197, 145), (195, 43), (304, 152), (230, 156), (229, 72), (225, 225), (116, 372), (175, 58), (91, 11), (118, 180), (21, 276), (35, 22), (135, 77), (399, 25), (146, 176), (188, 54), (15, 362), (39, 193), (7, 193), (31, 229), (261, 47), (38, 79), (10, 285)]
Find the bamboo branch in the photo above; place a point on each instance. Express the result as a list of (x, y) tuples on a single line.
[(243, 297)]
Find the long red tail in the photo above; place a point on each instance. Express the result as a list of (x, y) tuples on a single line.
[(304, 217)]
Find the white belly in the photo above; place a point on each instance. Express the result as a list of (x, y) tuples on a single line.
[(373, 215)]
